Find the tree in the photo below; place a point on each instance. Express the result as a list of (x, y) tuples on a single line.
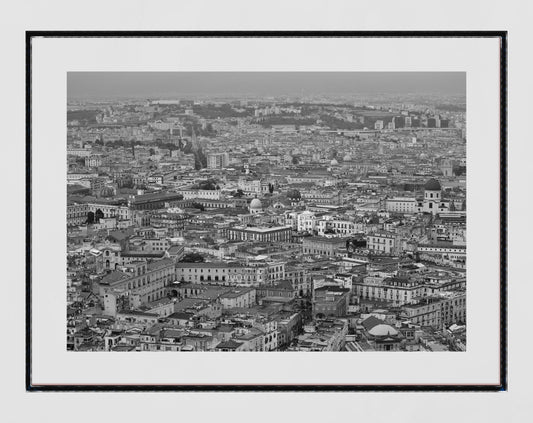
[(192, 258), (126, 183), (198, 206), (295, 160), (98, 215), (209, 184), (459, 170), (333, 154), (200, 160), (208, 239), (239, 193), (270, 188), (373, 220)]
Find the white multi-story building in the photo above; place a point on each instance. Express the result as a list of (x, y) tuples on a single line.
[(161, 126), (74, 178), (93, 161), (217, 160), (336, 226), (446, 252), (250, 186), (238, 297), (401, 205), (431, 203), (80, 152), (383, 242), (306, 221), (398, 291), (204, 194)]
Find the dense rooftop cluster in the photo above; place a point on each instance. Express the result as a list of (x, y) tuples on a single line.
[(222, 225)]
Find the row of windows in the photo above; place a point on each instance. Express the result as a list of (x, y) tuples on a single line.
[(378, 247), (381, 240), (275, 269), (144, 281), (444, 250), (322, 252), (156, 296)]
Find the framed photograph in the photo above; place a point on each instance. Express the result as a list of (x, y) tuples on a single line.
[(266, 211)]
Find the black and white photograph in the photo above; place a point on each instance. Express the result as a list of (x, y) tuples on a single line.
[(332, 220), (266, 212)]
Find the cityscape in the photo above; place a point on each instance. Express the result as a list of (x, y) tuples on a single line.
[(298, 217)]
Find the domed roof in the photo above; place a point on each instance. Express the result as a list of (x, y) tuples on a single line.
[(347, 158), (383, 330), (334, 162), (256, 204), (432, 185)]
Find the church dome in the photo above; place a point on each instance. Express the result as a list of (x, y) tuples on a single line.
[(334, 162), (432, 185), (383, 330), (347, 158), (256, 204)]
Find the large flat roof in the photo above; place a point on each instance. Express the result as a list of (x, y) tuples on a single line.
[(261, 229), (202, 265)]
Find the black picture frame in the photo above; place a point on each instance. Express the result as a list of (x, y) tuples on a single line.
[(501, 35)]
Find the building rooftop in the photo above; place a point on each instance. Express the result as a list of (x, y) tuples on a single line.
[(115, 276), (323, 240), (432, 185), (180, 315), (137, 313), (441, 244), (231, 344), (203, 265), (332, 288), (370, 322), (261, 229), (160, 264), (234, 293)]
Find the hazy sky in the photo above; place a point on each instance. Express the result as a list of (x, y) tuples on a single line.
[(174, 84)]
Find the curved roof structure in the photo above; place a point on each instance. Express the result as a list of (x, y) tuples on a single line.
[(432, 185)]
